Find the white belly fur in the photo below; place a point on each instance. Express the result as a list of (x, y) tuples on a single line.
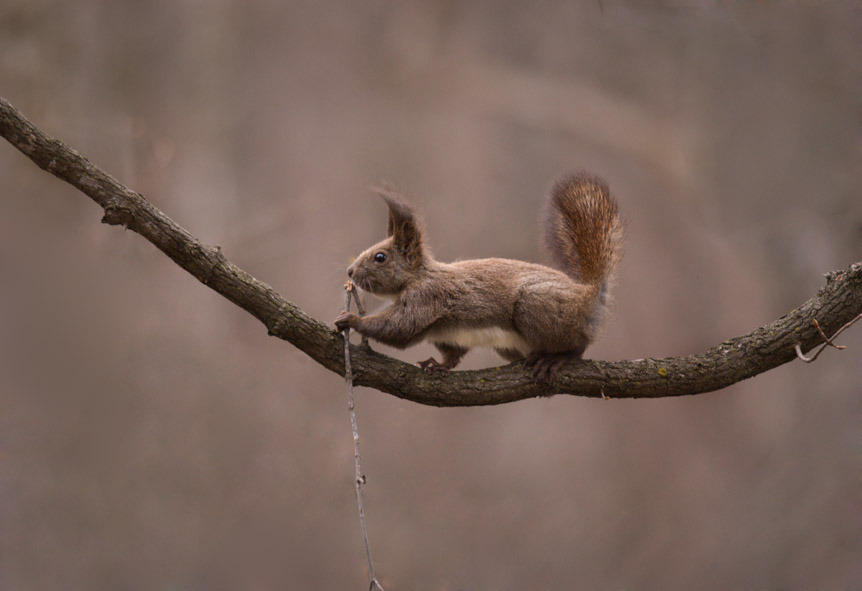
[(492, 336)]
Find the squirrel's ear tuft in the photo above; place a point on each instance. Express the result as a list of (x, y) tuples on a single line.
[(404, 225), (399, 211)]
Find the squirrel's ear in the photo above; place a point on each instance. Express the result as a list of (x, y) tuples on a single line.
[(403, 225)]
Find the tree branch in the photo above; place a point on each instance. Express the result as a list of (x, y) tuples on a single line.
[(835, 304)]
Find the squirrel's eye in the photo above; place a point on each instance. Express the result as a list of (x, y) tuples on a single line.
[(380, 257)]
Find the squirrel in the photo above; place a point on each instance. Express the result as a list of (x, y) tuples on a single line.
[(525, 311)]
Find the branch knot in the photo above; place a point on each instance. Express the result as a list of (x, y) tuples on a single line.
[(117, 215)]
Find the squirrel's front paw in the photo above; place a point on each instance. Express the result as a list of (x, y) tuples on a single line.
[(345, 320), (431, 365)]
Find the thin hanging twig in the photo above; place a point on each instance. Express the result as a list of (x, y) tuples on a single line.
[(360, 477)]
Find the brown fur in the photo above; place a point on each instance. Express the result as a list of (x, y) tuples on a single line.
[(523, 310)]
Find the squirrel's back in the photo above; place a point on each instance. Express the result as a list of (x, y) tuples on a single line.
[(583, 232)]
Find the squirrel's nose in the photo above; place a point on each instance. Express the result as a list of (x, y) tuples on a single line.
[(350, 271)]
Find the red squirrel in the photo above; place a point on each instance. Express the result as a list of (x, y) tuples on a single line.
[(543, 315)]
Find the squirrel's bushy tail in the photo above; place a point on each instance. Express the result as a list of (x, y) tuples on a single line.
[(583, 229)]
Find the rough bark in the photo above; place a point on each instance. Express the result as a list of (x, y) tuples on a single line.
[(837, 303)]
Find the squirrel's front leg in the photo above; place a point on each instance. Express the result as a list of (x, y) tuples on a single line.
[(452, 355), (390, 327)]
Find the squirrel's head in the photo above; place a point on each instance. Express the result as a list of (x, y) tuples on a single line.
[(389, 266)]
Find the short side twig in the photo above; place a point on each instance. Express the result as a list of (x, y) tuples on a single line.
[(350, 290), (828, 341)]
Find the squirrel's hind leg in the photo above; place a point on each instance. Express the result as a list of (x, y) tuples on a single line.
[(451, 357), (510, 355)]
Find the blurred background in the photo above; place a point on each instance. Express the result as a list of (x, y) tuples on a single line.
[(153, 437)]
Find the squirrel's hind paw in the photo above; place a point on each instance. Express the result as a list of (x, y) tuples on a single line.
[(544, 367)]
